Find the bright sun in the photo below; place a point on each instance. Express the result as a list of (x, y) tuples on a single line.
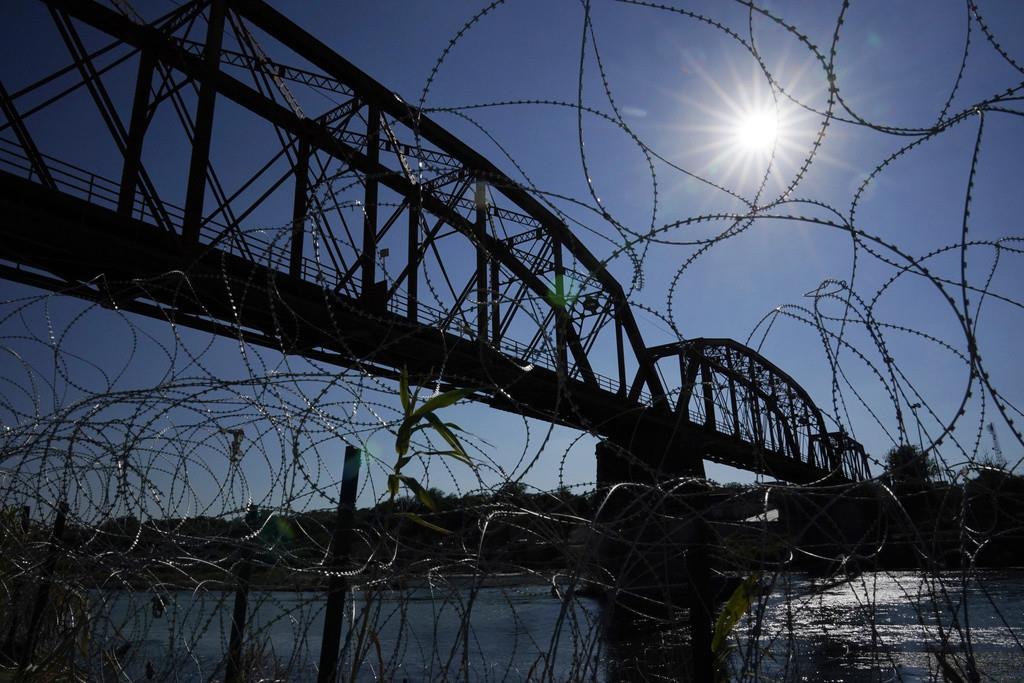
[(756, 130)]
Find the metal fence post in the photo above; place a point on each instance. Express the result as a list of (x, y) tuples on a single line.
[(233, 674), (337, 585), (701, 613), (43, 594), (12, 632)]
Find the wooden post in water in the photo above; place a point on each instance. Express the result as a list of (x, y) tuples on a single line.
[(233, 673), (337, 586), (43, 593)]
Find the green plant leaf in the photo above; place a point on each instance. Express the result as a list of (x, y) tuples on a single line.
[(403, 392), (441, 401), (421, 493), (405, 432), (735, 607), (447, 435), (393, 484), (422, 522), (461, 457), (403, 437)]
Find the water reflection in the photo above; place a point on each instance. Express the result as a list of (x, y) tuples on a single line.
[(876, 627), (888, 626), (642, 648)]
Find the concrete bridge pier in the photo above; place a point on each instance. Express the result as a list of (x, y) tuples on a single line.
[(655, 549)]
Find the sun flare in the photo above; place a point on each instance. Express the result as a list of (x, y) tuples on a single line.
[(756, 130)]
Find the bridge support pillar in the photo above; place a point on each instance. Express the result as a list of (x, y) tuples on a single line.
[(655, 554)]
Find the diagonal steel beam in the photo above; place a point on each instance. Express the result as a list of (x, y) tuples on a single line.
[(200, 159), (25, 139)]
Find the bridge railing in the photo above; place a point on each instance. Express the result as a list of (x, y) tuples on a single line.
[(69, 178), (102, 191), (267, 247)]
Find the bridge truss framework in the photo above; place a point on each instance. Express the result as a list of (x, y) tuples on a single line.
[(284, 226)]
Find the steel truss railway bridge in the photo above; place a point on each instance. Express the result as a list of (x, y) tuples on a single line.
[(204, 140)]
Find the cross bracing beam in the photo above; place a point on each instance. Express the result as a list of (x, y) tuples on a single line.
[(270, 67), (520, 319)]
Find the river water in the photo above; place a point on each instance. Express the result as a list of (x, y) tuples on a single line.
[(875, 627)]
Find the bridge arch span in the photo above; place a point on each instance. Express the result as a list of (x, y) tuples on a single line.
[(733, 391)]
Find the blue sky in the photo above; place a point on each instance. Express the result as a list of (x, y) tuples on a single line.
[(683, 86)]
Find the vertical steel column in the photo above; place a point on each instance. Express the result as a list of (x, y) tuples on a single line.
[(755, 410), (200, 161), (688, 370), (774, 419), (561, 315), (709, 397), (337, 586), (480, 227), (769, 425), (732, 394), (300, 208), (682, 401), (810, 436), (413, 260), (620, 352), (136, 133), (370, 207), (786, 422), (790, 427), (495, 304), (733, 403)]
